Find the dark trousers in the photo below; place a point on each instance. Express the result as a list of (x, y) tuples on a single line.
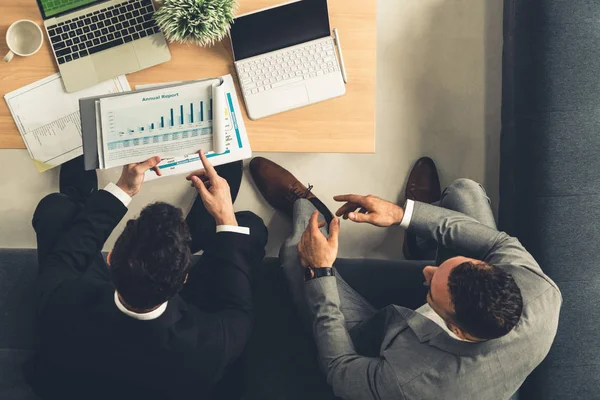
[(51, 219)]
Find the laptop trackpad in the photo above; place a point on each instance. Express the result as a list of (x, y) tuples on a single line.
[(116, 61), (292, 97)]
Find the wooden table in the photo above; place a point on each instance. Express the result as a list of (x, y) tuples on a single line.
[(342, 125)]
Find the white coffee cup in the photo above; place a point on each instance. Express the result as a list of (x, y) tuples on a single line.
[(24, 38)]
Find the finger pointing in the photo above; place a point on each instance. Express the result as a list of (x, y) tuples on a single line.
[(210, 170), (352, 198)]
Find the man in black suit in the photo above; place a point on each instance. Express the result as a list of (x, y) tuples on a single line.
[(145, 326)]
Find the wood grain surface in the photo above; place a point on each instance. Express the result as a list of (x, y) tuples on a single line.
[(342, 125)]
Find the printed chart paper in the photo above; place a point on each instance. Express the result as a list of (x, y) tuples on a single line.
[(166, 122), (48, 118), (236, 138)]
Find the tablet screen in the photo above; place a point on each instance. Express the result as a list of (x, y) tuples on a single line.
[(279, 27)]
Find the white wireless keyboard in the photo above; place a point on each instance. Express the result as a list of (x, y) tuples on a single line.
[(284, 67)]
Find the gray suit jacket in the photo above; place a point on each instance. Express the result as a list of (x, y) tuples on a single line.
[(400, 354)]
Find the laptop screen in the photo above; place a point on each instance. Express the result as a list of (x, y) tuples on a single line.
[(51, 8), (279, 27)]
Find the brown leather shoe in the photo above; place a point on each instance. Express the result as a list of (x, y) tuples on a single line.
[(281, 189), (424, 186)]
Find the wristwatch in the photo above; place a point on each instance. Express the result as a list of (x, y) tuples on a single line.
[(311, 273)]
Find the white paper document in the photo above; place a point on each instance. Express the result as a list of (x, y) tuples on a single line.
[(167, 122), (236, 143), (48, 117)]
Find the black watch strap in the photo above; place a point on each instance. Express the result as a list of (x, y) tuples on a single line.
[(314, 273)]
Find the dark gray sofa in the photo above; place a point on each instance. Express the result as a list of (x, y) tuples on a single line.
[(18, 270), (280, 348), (550, 188)]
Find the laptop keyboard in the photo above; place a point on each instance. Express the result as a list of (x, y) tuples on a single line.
[(102, 29), (287, 66)]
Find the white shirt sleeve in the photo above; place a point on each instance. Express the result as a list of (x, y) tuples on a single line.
[(236, 229), (408, 212), (118, 193)]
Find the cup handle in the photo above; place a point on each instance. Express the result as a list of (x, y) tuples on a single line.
[(9, 56)]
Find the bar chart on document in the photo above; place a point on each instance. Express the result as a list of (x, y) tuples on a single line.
[(163, 122), (163, 125)]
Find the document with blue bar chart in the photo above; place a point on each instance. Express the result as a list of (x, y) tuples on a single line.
[(167, 122), (237, 145)]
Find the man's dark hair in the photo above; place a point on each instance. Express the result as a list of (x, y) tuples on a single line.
[(151, 258), (487, 301)]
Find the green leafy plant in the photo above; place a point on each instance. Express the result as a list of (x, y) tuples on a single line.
[(203, 22)]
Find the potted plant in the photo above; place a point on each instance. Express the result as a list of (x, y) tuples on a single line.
[(202, 22)]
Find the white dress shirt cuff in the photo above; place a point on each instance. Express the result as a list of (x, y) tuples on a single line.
[(118, 193), (236, 229), (408, 212)]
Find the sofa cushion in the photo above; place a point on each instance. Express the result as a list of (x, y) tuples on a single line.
[(12, 383), (549, 186), (18, 270)]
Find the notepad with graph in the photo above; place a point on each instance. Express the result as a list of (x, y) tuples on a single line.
[(48, 118)]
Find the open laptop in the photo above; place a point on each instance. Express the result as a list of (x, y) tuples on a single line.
[(285, 57), (96, 40)]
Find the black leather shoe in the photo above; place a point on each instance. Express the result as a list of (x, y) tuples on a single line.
[(424, 186), (76, 182)]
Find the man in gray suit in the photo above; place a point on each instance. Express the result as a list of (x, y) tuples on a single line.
[(490, 315)]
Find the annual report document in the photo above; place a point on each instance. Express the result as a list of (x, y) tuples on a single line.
[(236, 143), (167, 122)]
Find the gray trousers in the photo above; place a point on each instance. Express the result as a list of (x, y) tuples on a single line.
[(467, 197), (464, 195)]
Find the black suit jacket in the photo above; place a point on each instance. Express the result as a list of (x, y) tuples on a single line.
[(88, 349)]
